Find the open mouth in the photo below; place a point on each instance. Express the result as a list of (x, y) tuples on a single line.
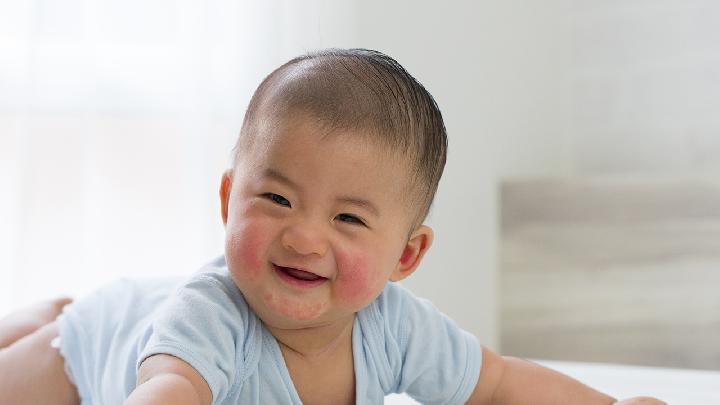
[(299, 277)]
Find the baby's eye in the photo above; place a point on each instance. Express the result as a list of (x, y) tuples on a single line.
[(352, 219), (277, 199)]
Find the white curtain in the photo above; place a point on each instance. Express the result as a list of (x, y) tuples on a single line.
[(116, 122)]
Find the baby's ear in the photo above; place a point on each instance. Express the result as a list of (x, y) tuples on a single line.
[(225, 186), (419, 243)]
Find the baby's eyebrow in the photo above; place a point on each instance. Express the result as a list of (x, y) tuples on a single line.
[(276, 175), (367, 205)]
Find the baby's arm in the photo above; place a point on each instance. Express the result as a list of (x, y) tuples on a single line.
[(507, 380), (164, 379)]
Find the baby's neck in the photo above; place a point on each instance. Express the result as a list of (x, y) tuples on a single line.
[(320, 362), (314, 342)]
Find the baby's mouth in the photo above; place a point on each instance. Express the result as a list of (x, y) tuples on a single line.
[(300, 277)]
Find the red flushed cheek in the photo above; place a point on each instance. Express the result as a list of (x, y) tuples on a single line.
[(358, 281), (244, 248)]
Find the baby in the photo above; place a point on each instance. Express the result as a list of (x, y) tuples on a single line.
[(335, 169)]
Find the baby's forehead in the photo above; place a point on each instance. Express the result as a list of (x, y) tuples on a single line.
[(303, 133), (277, 128)]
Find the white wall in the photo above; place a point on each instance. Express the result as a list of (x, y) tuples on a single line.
[(610, 87), (646, 84)]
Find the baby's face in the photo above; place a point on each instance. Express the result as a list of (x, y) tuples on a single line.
[(315, 227)]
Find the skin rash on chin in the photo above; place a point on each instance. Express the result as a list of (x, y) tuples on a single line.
[(296, 309)]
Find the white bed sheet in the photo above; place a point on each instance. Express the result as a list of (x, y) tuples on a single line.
[(674, 386)]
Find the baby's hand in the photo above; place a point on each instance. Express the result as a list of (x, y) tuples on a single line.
[(640, 401)]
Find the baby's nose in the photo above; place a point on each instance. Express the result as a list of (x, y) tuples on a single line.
[(305, 239)]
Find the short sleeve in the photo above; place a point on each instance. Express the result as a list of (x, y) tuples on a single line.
[(201, 324), (440, 363)]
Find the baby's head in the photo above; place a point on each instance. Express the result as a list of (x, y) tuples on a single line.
[(336, 166), (359, 92)]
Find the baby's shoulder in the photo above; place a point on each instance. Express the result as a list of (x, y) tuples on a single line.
[(396, 312), (397, 302), (212, 289), (207, 323)]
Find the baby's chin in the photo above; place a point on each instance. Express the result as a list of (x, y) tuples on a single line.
[(302, 316), (277, 309)]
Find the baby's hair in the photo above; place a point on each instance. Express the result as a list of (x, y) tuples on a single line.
[(364, 90)]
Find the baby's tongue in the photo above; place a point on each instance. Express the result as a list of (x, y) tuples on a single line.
[(302, 275)]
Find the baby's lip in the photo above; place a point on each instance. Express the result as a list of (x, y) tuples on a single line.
[(299, 273)]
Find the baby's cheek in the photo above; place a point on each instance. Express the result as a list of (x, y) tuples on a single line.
[(358, 282), (244, 249)]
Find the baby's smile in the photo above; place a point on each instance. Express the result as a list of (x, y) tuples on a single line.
[(299, 278)]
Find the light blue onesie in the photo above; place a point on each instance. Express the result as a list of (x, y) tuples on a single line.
[(400, 343)]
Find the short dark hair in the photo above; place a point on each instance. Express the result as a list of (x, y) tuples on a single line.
[(359, 89)]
